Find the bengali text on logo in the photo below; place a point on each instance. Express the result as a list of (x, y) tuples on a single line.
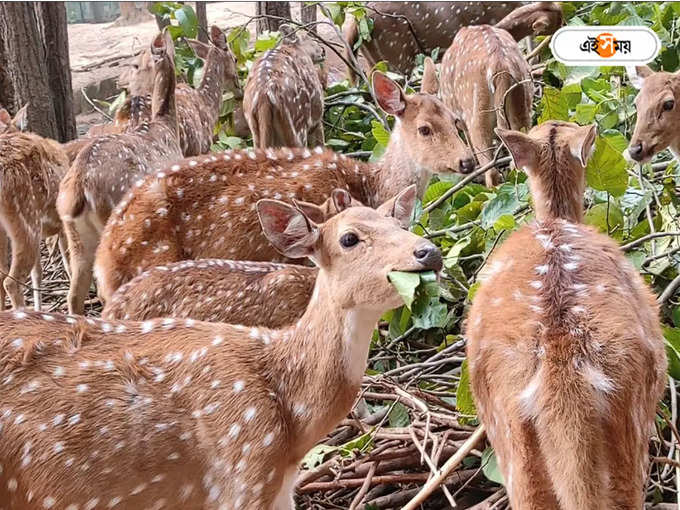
[(606, 45)]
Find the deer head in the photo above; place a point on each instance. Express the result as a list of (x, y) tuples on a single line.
[(222, 55), (540, 18), (339, 200), (657, 112), (426, 131), (554, 156), (348, 242), (9, 124), (163, 57), (298, 37)]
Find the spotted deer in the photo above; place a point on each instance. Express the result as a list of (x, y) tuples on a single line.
[(657, 113), (565, 351), (403, 29), (486, 81), (283, 97), (30, 170), (198, 109), (205, 207), (108, 166), (217, 290), (180, 414), (9, 124)]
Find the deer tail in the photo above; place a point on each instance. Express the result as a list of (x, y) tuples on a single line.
[(570, 405), (71, 201), (350, 32)]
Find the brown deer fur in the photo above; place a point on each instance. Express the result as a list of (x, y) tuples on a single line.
[(30, 170), (205, 207), (180, 414), (9, 124), (197, 109), (217, 290), (283, 97), (106, 168), (487, 82), (658, 113), (566, 354)]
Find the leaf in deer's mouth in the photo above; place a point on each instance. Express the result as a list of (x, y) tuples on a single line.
[(407, 282)]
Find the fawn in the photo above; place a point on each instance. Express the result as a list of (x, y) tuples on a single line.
[(9, 124), (401, 30), (566, 355), (216, 290), (197, 109), (205, 207), (657, 113), (181, 414), (283, 97), (108, 166), (487, 82), (30, 170)]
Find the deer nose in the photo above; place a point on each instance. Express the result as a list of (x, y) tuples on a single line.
[(467, 165), (635, 151), (429, 256)]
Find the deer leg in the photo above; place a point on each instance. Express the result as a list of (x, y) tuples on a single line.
[(481, 139), (36, 281), (63, 250), (82, 243), (4, 264), (24, 248), (316, 136)]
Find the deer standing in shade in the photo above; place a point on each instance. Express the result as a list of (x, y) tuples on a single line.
[(565, 350), (181, 414)]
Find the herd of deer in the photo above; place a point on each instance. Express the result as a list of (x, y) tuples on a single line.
[(240, 363)]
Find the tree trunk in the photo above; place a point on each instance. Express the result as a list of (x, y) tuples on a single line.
[(308, 14), (202, 16), (279, 9), (26, 65), (6, 88), (52, 20)]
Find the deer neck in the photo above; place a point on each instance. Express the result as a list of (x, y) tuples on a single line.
[(518, 22), (318, 364), (163, 109), (396, 170), (555, 200), (212, 82)]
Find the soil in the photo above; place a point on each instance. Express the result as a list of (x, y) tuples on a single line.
[(93, 48)]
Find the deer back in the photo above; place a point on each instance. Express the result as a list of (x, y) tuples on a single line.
[(283, 98)]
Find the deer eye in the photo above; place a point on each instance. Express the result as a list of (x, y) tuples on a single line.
[(349, 239), (668, 105), (425, 130)]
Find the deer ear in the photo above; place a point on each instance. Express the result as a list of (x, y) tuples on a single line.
[(20, 119), (638, 74), (162, 45), (218, 38), (5, 117), (200, 49), (400, 206), (314, 212), (341, 199), (522, 148), (287, 228), (389, 95), (430, 83), (582, 143)]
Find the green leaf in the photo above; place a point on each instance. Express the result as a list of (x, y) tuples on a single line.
[(361, 443), (187, 20), (675, 315), (508, 200), (406, 284), (117, 103), (605, 219), (490, 466), (504, 222), (337, 13), (380, 133), (473, 290), (465, 401), (553, 105), (429, 313), (316, 455), (585, 113), (606, 169), (436, 190), (572, 94), (672, 337), (266, 41), (399, 416)]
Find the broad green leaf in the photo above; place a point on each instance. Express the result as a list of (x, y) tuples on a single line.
[(399, 416), (508, 200), (316, 455), (362, 443), (436, 190), (187, 20), (473, 290), (465, 401), (429, 313), (585, 113), (672, 337), (337, 144), (469, 212), (490, 466), (380, 133), (553, 105), (605, 219), (266, 41), (675, 315), (606, 169), (572, 94), (406, 284), (504, 222)]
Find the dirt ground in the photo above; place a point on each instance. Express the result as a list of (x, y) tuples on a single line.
[(92, 47)]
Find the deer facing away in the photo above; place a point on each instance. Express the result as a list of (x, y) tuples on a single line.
[(283, 97), (197, 108), (205, 207), (486, 81), (30, 170), (106, 168), (180, 414), (236, 292), (566, 354), (657, 113)]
